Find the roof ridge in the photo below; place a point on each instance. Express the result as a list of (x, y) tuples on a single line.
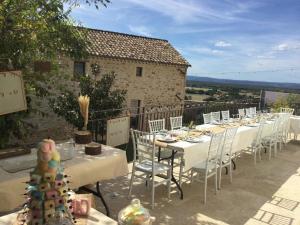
[(123, 34)]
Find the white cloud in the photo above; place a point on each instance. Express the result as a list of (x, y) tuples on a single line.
[(183, 11), (206, 51), (292, 45), (281, 47), (222, 44), (268, 56), (141, 30)]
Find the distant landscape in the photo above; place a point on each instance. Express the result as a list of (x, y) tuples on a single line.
[(295, 87), (214, 89)]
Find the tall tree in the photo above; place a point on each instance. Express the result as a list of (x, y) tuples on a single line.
[(37, 29), (33, 30)]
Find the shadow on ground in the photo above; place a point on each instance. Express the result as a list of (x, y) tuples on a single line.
[(243, 201)]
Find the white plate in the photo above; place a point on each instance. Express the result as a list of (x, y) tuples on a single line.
[(167, 140), (253, 125), (194, 140)]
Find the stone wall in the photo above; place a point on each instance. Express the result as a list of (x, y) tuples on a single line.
[(159, 84)]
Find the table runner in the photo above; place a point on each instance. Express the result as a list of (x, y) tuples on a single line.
[(197, 152), (82, 169)]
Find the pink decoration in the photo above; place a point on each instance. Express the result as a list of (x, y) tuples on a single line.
[(36, 214), (59, 201), (58, 183), (46, 157), (51, 194), (81, 207)]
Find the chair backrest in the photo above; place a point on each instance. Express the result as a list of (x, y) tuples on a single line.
[(228, 141), (156, 125), (215, 116), (253, 111), (287, 123), (207, 118), (225, 115), (248, 111), (241, 113), (276, 127), (257, 140), (143, 145), (287, 110), (215, 146), (284, 110), (283, 124), (176, 122)]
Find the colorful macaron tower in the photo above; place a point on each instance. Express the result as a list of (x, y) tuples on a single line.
[(48, 199)]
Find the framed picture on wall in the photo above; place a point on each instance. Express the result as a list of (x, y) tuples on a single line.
[(12, 92)]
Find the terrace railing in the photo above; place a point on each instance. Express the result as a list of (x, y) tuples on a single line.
[(140, 116)]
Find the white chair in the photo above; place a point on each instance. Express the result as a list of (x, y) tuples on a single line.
[(283, 128), (283, 110), (226, 152), (286, 128), (215, 117), (144, 162), (248, 112), (256, 145), (209, 167), (207, 118), (287, 110), (225, 115), (253, 111), (270, 142), (241, 113), (156, 125), (176, 122)]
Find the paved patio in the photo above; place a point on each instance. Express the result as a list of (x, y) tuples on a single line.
[(268, 193)]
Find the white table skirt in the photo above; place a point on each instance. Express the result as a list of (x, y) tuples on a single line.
[(197, 152), (95, 218), (295, 125), (82, 169)]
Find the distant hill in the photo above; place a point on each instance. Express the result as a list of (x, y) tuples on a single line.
[(243, 83)]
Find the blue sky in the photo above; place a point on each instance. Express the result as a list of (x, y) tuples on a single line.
[(245, 39)]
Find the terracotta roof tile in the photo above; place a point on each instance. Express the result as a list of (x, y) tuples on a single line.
[(126, 46)]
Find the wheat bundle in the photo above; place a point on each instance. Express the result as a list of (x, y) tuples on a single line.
[(84, 102)]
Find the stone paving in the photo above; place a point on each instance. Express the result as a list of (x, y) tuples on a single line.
[(268, 193)]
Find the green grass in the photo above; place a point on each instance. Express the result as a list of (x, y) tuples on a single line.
[(197, 97)]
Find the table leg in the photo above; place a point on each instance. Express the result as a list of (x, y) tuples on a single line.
[(98, 194), (172, 174), (159, 152), (173, 179), (233, 163)]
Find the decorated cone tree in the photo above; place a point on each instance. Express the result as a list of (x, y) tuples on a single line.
[(48, 199)]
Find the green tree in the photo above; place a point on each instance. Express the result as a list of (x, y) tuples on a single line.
[(104, 100), (33, 30)]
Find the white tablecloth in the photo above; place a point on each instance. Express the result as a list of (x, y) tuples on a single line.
[(82, 169), (197, 152), (95, 218)]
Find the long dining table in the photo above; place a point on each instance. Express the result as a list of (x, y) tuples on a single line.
[(195, 152)]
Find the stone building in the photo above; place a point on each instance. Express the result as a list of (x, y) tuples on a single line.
[(151, 70)]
